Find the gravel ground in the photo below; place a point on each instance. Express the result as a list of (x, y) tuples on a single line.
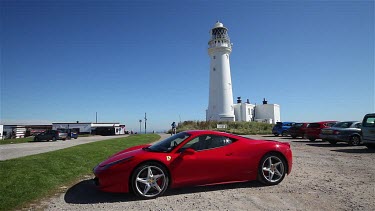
[(323, 177), (10, 151)]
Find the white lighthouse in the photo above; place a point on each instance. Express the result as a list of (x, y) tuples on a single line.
[(220, 104)]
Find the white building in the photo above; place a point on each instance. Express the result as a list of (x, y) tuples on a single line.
[(1, 132), (220, 104), (92, 128), (247, 112)]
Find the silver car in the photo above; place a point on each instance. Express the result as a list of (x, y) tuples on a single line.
[(349, 131)]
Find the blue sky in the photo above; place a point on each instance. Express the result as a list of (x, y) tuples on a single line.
[(62, 61)]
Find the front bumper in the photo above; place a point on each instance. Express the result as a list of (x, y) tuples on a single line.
[(115, 180)]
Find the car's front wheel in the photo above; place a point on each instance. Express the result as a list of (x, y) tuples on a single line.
[(355, 140), (312, 139), (276, 134), (53, 138), (149, 180), (272, 169)]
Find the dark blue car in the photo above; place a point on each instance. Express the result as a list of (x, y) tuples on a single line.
[(281, 128)]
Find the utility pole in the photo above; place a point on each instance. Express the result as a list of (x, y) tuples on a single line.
[(145, 123), (140, 126), (96, 117)]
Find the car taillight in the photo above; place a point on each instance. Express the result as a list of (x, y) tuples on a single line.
[(336, 132)]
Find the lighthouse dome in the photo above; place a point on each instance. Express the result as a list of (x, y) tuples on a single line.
[(218, 24)]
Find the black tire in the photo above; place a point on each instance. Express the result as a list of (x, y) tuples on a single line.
[(312, 139), (157, 181), (276, 134), (355, 140), (294, 136), (283, 133), (54, 139), (36, 139), (332, 142), (267, 169)]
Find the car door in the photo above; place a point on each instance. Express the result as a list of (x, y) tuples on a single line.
[(368, 129), (206, 162)]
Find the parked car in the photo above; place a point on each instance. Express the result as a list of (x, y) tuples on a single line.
[(281, 128), (297, 130), (51, 135), (313, 130), (349, 132), (368, 130), (193, 158), (71, 133)]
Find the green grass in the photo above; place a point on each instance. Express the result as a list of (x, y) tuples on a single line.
[(33, 177), (16, 140), (242, 128)]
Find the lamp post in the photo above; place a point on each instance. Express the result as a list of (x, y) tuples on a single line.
[(140, 126), (145, 123)]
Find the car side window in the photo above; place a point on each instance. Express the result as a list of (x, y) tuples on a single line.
[(369, 122), (207, 142)]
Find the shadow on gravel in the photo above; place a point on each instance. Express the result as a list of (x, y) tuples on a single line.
[(187, 190), (86, 192), (326, 144), (302, 141), (356, 150)]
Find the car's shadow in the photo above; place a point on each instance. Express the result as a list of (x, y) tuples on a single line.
[(355, 150), (326, 144), (304, 141), (85, 192)]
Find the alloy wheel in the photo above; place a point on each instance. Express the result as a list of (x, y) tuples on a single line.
[(273, 169), (150, 181)]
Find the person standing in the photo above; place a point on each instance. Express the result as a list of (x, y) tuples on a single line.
[(173, 128)]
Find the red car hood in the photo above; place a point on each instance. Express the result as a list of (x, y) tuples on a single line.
[(130, 152)]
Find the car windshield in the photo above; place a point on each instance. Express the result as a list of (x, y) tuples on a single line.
[(343, 124), (168, 144)]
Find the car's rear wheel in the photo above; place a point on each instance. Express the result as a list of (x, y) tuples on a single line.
[(276, 134), (355, 140), (283, 133), (36, 139), (294, 136), (149, 180), (53, 138), (272, 169), (312, 139), (332, 142)]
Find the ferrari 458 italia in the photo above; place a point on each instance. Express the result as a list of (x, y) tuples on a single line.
[(193, 158)]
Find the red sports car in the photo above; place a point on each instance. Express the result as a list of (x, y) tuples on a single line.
[(193, 158)]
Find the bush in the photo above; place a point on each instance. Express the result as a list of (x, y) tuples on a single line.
[(242, 128)]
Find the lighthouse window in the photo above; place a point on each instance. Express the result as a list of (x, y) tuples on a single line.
[(214, 57), (214, 69)]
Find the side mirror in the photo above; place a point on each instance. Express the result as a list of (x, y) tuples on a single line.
[(188, 151)]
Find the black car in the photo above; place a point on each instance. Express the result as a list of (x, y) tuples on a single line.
[(349, 132), (51, 135)]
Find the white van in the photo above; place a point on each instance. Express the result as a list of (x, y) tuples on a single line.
[(368, 130)]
